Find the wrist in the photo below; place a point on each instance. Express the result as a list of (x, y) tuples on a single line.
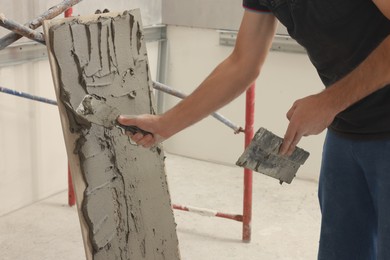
[(336, 102), (165, 126)]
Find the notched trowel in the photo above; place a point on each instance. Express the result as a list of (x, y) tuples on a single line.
[(97, 111), (262, 155)]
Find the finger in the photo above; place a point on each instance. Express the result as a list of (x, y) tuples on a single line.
[(149, 144), (288, 139), (127, 120), (290, 112), (294, 143), (284, 147), (144, 141), (137, 137)]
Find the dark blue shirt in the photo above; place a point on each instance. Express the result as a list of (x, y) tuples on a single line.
[(338, 35)]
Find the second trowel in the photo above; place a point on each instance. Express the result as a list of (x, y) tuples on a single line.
[(97, 111)]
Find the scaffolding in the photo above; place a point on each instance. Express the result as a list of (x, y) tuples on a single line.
[(28, 30)]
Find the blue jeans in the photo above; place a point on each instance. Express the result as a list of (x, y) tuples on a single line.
[(354, 194)]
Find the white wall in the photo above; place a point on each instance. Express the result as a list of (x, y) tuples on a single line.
[(216, 14), (193, 53), (203, 13), (25, 10), (33, 160)]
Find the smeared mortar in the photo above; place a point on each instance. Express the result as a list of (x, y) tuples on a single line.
[(126, 203), (95, 110)]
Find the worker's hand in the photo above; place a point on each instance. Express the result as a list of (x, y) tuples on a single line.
[(150, 123), (308, 116)]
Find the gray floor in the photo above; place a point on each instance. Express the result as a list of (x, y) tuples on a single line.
[(285, 219)]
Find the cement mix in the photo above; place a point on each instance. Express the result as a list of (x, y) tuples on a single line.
[(95, 110), (262, 155), (126, 203)]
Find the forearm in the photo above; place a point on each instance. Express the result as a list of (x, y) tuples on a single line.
[(371, 75), (225, 83), (229, 79)]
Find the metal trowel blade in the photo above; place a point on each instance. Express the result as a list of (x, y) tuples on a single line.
[(97, 111), (262, 155)]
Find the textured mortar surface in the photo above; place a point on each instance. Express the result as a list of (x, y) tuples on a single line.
[(126, 204), (262, 155)]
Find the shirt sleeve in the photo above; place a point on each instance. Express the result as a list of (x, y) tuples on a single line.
[(255, 5)]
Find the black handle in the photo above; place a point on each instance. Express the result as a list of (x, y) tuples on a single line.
[(133, 129)]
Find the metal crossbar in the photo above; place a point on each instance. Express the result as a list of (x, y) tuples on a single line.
[(35, 23), (28, 96), (156, 85), (27, 30), (21, 29)]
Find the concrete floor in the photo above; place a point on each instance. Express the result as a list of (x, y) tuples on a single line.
[(285, 219)]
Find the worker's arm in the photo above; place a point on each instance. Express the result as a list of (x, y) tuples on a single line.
[(313, 114), (384, 6), (226, 82)]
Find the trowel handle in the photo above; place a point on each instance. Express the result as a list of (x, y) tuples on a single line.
[(133, 129)]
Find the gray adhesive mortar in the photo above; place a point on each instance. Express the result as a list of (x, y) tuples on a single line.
[(262, 155), (126, 203)]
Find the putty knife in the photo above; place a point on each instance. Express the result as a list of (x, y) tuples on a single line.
[(97, 111), (262, 155)]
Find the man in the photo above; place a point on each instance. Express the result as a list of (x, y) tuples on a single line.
[(349, 44)]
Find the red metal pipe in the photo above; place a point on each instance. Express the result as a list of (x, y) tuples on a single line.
[(208, 212), (71, 195), (68, 12), (248, 174)]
